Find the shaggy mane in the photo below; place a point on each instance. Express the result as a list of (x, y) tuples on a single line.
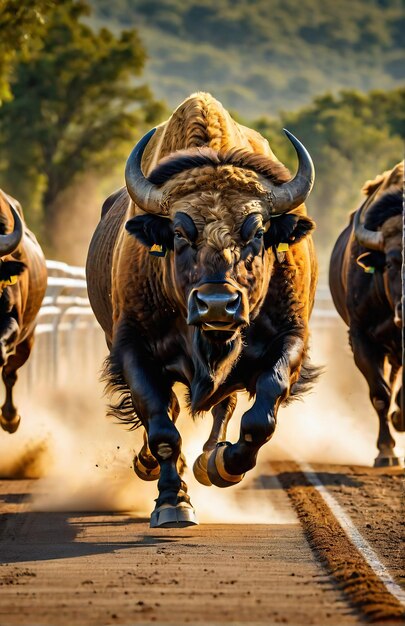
[(388, 205), (192, 158)]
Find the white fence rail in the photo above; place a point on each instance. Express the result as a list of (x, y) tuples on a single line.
[(69, 342)]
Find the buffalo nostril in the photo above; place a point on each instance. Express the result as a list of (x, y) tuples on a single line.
[(202, 306), (233, 303)]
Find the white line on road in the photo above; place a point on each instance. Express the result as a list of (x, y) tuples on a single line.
[(354, 535)]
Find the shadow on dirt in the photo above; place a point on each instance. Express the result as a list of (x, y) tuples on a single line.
[(14, 498), (298, 479), (44, 536)]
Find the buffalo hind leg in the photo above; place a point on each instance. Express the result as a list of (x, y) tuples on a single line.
[(146, 466), (370, 362), (222, 413), (9, 418), (397, 416)]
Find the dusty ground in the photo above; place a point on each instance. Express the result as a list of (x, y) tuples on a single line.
[(375, 501), (353, 565), (101, 568)]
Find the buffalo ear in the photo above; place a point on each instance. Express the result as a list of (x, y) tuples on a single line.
[(11, 268), (371, 260), (152, 229), (289, 228)]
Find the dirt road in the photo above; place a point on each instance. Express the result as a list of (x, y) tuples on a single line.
[(104, 568)]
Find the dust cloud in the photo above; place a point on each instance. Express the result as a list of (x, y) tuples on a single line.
[(84, 460), (76, 215), (84, 463)]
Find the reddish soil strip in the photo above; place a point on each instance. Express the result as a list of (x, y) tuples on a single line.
[(362, 587)]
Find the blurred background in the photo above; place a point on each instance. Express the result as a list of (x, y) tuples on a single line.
[(81, 80)]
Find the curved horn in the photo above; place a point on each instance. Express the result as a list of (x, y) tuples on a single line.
[(146, 195), (291, 194), (371, 239), (8, 243)]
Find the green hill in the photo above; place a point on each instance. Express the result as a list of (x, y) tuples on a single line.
[(260, 56)]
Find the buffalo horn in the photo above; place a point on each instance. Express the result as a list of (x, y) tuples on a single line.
[(8, 243), (289, 195), (146, 195), (281, 198), (371, 239)]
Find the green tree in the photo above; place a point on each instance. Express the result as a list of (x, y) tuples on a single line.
[(76, 106), (22, 24)]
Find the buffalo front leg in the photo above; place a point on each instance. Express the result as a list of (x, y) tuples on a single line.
[(146, 466), (9, 418), (151, 392), (9, 330), (370, 361), (228, 463), (222, 413)]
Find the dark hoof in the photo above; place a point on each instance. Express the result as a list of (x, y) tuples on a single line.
[(169, 516), (398, 421), (200, 468), (216, 468), (10, 425), (387, 461), (145, 469)]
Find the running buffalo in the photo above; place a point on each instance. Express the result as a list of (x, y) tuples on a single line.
[(202, 271), (365, 282), (23, 282)]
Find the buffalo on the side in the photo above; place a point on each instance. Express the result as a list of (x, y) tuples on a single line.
[(23, 280), (202, 271), (365, 282)]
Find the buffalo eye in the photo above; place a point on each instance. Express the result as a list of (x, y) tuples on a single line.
[(251, 228), (185, 231)]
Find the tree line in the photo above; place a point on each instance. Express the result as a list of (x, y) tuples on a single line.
[(260, 56), (74, 101)]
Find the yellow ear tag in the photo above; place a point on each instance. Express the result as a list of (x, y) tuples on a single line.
[(283, 247), (157, 250), (11, 281)]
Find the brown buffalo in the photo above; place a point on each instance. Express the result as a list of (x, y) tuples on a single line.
[(203, 273), (365, 282), (22, 288)]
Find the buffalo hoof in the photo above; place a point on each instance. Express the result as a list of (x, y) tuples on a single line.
[(387, 461), (149, 469), (398, 421), (169, 516), (145, 469), (10, 425), (200, 468), (216, 468)]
